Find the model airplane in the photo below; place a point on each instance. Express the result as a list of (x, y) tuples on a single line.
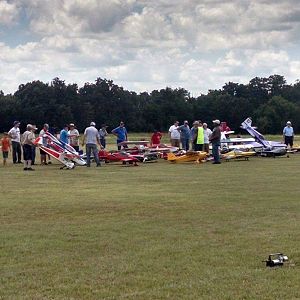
[(270, 148), (61, 146), (238, 154), (62, 152), (121, 156), (64, 157), (189, 156), (126, 143)]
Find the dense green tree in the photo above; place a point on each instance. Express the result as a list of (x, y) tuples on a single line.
[(270, 101)]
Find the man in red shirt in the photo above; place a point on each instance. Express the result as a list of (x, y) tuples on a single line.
[(155, 138)]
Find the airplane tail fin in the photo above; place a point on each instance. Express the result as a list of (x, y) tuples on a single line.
[(247, 123)]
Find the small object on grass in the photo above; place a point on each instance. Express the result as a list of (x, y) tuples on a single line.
[(276, 260)]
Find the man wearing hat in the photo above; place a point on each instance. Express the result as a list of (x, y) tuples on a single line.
[(103, 134), (215, 140), (288, 134), (14, 133), (74, 137), (28, 138), (174, 134), (185, 135), (91, 139)]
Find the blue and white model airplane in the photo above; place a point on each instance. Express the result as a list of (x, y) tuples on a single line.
[(270, 148)]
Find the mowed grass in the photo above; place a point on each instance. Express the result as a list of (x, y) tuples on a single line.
[(156, 231)]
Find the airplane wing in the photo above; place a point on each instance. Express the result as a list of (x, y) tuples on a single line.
[(64, 158)]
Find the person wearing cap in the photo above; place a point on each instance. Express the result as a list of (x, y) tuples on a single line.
[(14, 133), (174, 135), (193, 130), (121, 133), (207, 134), (185, 135), (103, 134), (198, 137), (288, 134), (73, 135), (43, 154), (33, 148), (28, 138), (90, 140), (215, 140)]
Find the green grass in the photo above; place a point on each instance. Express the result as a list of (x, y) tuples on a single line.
[(157, 231)]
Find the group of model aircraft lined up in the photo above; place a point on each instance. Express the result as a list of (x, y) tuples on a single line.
[(140, 151)]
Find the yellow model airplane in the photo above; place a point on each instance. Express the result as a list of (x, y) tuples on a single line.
[(189, 156), (238, 154)]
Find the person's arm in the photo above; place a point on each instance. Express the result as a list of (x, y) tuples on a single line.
[(283, 134), (169, 133), (212, 136), (114, 131), (126, 136), (12, 133)]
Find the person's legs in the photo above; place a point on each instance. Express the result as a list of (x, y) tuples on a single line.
[(187, 144), (19, 153), (88, 154), (206, 148), (96, 157), (103, 142), (76, 148), (14, 151), (5, 156), (183, 144), (215, 153)]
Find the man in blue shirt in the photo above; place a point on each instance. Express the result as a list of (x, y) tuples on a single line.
[(63, 136), (121, 133), (185, 135), (288, 134)]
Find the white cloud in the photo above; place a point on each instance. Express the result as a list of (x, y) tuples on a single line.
[(8, 13), (149, 44)]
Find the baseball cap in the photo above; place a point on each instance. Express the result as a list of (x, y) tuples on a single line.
[(216, 121), (92, 124), (16, 122), (72, 124), (288, 123)]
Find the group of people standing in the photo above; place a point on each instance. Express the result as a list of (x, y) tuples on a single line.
[(198, 137)]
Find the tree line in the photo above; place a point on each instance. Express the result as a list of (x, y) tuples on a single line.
[(269, 101)]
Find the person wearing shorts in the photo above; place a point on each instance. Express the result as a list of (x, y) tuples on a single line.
[(6, 147)]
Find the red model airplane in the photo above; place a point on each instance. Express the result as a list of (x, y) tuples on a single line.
[(118, 157)]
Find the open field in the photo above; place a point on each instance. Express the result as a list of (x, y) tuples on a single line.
[(157, 231)]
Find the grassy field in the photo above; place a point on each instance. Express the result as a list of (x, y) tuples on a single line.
[(156, 231)]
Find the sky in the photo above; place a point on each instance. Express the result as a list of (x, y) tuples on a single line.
[(145, 45)]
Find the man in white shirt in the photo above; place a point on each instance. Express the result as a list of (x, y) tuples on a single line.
[(174, 134), (14, 133), (74, 137), (207, 134), (91, 139)]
